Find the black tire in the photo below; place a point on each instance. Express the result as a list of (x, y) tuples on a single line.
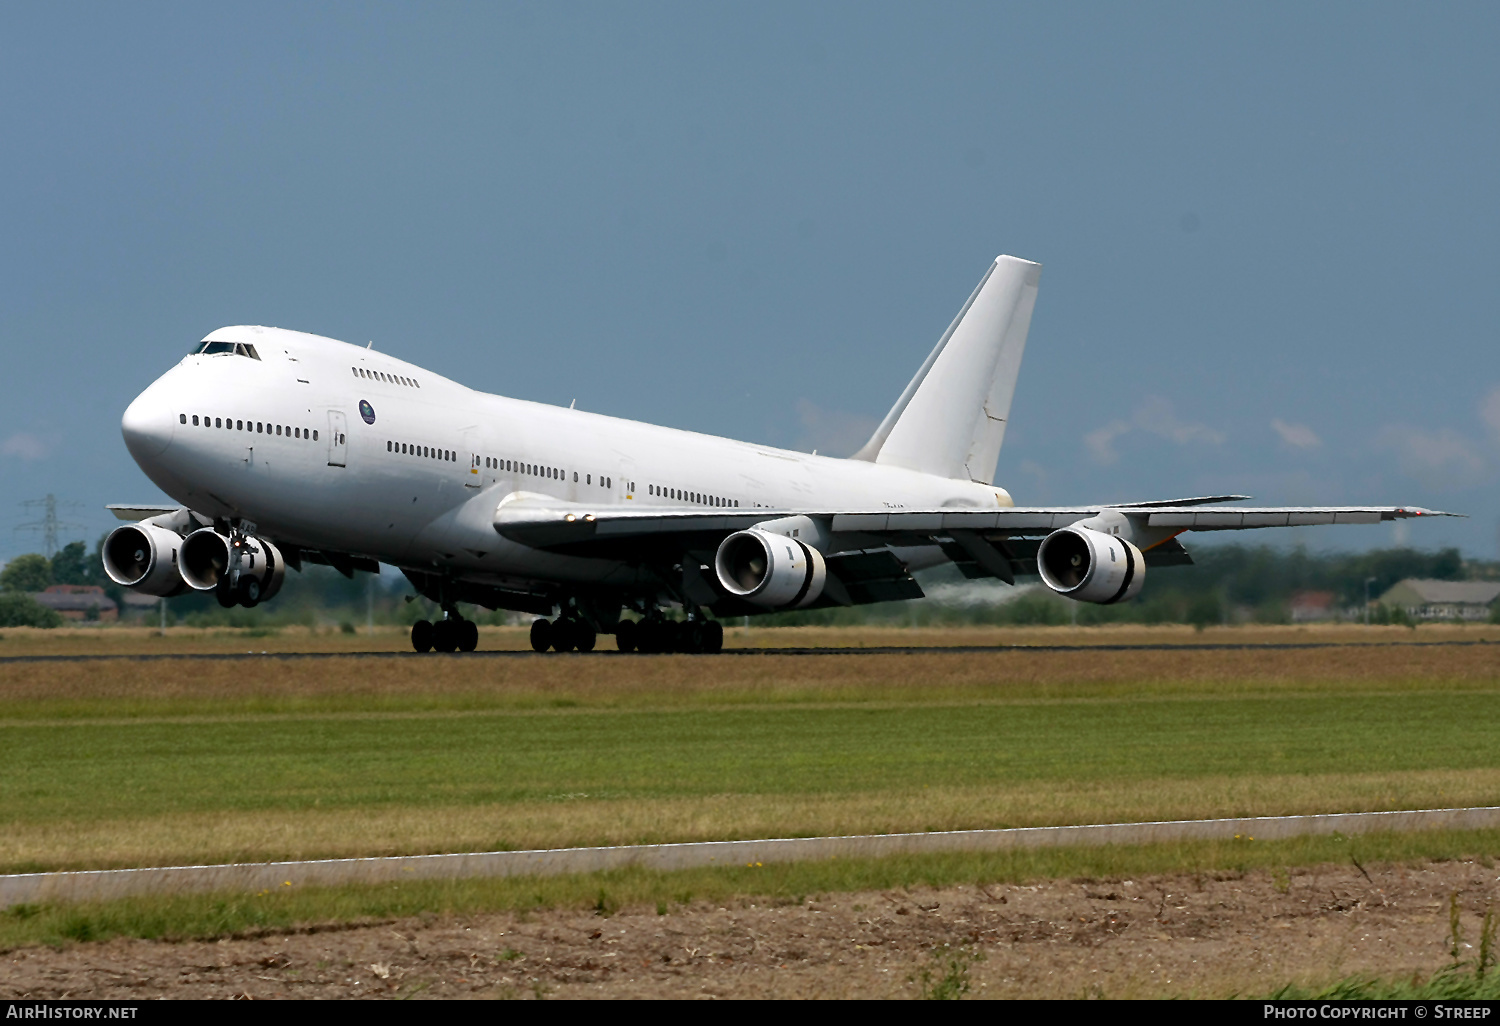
[(626, 636), (541, 635), (584, 637), (648, 636), (562, 635), (713, 637), (445, 635), (468, 636), (421, 636), (225, 593), (672, 636), (691, 637), (249, 591)]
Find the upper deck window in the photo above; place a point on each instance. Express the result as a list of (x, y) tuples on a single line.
[(234, 348)]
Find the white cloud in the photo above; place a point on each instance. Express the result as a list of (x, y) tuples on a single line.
[(1153, 417), (1101, 442), (1299, 436), (1442, 458), (24, 446), (1489, 410)]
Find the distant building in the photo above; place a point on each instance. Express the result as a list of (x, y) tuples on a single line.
[(78, 602), (1443, 600), (1312, 605)]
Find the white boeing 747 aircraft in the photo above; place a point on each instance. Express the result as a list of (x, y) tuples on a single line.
[(283, 448)]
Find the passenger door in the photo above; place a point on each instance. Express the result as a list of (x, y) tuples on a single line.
[(338, 441), (474, 478), (624, 484)]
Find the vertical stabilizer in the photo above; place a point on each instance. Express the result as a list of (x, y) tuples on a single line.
[(950, 420)]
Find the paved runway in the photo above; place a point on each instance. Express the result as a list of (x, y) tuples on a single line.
[(106, 884), (873, 650)]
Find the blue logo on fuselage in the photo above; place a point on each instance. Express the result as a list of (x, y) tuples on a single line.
[(367, 411)]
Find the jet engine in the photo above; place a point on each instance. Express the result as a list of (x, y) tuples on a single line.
[(207, 563), (770, 570), (1091, 566), (144, 557)]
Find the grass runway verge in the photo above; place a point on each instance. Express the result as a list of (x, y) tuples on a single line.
[(293, 909), (117, 764)]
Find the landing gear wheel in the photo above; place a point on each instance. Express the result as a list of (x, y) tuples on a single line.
[(249, 592), (445, 635), (562, 636), (584, 637), (225, 593), (713, 637), (468, 636), (626, 635), (672, 636), (648, 636), (691, 637), (541, 635), (421, 636)]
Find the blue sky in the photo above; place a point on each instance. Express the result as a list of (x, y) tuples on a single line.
[(1269, 231)]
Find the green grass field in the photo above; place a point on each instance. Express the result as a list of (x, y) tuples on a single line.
[(120, 764)]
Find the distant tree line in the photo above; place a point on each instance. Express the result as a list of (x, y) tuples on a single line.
[(317, 596), (72, 564), (1227, 583)]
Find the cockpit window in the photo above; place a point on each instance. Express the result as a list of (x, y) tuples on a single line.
[(234, 348)]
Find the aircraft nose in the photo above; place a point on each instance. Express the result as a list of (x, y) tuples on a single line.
[(147, 425)]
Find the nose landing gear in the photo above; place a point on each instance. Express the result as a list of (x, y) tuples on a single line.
[(254, 570)]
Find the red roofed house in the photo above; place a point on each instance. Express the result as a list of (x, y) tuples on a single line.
[(78, 602)]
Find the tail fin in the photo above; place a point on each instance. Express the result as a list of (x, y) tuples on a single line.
[(950, 421)]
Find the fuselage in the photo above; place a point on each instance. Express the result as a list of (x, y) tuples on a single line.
[(326, 445)]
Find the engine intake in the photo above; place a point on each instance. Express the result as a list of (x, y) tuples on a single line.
[(204, 559), (1091, 566), (144, 557), (770, 570)]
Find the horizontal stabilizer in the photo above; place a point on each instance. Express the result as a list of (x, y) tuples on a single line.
[(134, 513)]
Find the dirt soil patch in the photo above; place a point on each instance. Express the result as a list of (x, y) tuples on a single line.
[(1210, 935)]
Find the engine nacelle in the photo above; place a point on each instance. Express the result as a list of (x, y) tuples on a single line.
[(144, 557), (206, 558), (263, 560), (1091, 566), (770, 570)]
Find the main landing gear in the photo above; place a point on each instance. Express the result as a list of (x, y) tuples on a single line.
[(654, 634), (563, 635), (453, 634)]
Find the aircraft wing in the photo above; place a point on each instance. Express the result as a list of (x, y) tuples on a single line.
[(983, 542)]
